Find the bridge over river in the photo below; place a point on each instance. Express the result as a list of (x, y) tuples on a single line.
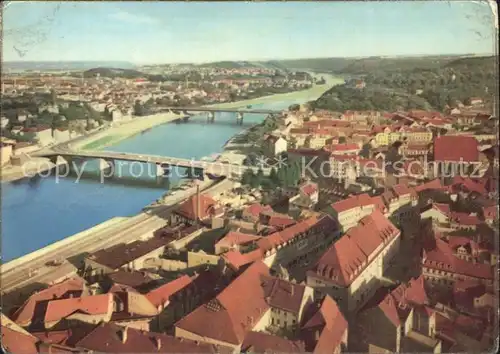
[(163, 163), (211, 112)]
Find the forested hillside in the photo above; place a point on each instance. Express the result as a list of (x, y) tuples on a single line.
[(417, 87)]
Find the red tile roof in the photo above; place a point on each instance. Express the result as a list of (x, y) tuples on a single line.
[(443, 208), (188, 209), (342, 147), (469, 184), (130, 278), (465, 219), (360, 200), (388, 307), (438, 255), (309, 188), (15, 342), (90, 305), (280, 220), (490, 213), (333, 324), (313, 224), (25, 315), (233, 238), (434, 184), (283, 294), (107, 338), (256, 208), (233, 312), (260, 342), (401, 190), (348, 256), (237, 260), (454, 148), (160, 296)]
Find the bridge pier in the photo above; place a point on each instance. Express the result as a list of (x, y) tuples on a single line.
[(63, 165), (106, 167), (239, 118), (195, 173), (210, 117), (162, 170)]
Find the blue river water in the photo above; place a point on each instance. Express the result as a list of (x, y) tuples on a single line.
[(39, 211)]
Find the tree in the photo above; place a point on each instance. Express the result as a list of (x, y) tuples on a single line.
[(247, 177), (254, 181), (53, 96), (139, 108), (273, 176)]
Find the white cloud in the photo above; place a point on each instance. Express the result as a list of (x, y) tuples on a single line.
[(132, 18)]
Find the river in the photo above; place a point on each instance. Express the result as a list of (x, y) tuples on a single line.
[(39, 211)]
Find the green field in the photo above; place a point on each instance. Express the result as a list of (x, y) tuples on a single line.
[(101, 142)]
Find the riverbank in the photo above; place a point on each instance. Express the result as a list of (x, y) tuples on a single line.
[(125, 130), (36, 165), (313, 92)]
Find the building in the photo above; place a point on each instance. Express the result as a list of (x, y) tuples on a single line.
[(399, 321), (298, 243), (307, 197), (260, 342), (442, 268), (344, 149), (4, 122), (131, 256), (61, 135), (42, 134), (252, 212), (25, 316), (252, 302), (90, 309), (110, 338), (349, 270), (326, 330), (237, 241), (199, 207), (275, 145), (453, 151), (6, 146)]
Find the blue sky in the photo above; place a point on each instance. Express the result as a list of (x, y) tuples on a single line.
[(156, 32)]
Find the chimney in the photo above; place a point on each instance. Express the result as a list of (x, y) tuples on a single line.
[(291, 289), (158, 343), (197, 202), (123, 334), (316, 335)]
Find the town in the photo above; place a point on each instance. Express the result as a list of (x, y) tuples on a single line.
[(53, 107), (249, 177), (348, 259)]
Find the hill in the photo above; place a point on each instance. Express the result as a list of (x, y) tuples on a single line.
[(228, 65), (313, 64), (62, 65), (414, 83), (358, 66), (114, 72)]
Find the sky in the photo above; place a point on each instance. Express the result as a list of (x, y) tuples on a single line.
[(180, 32)]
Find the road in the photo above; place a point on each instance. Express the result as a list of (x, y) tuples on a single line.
[(126, 231), (216, 168), (230, 110)]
